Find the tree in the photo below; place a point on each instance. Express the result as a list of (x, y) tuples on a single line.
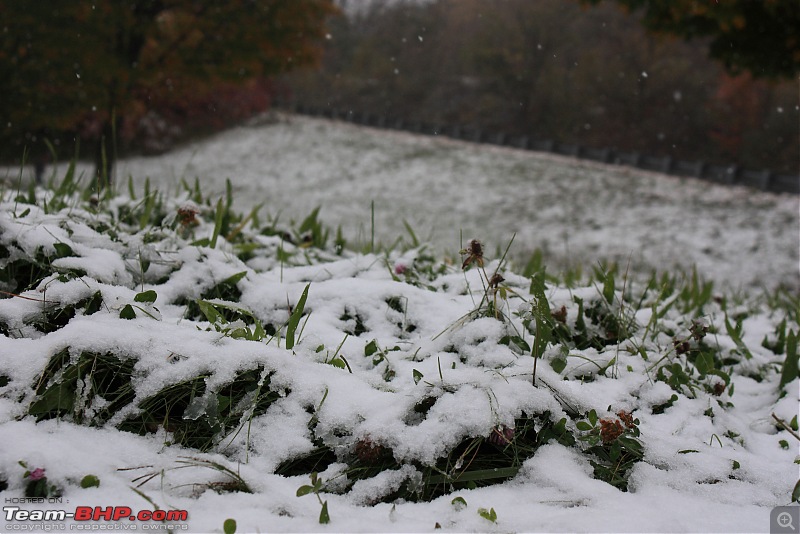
[(549, 70), (758, 36), (86, 67), (522, 51)]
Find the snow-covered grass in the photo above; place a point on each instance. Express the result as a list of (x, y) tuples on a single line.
[(186, 356)]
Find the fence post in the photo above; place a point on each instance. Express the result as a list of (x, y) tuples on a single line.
[(700, 170), (666, 166), (766, 178), (732, 174)]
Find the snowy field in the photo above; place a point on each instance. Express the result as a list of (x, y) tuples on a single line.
[(577, 212), (172, 355)]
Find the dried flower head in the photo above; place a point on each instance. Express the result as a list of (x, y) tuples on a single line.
[(698, 330), (682, 346), (474, 252), (368, 451), (719, 388), (496, 280), (187, 215), (501, 435), (610, 429), (626, 418), (560, 315)]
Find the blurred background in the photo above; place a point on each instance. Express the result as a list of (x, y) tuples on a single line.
[(693, 79), (602, 76)]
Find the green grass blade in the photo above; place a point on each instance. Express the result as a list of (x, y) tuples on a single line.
[(220, 214), (294, 320), (414, 239), (789, 371)]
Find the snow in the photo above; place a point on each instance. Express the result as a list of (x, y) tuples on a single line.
[(577, 212), (686, 481)]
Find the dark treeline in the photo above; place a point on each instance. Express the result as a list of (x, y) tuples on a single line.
[(554, 69), (119, 75)]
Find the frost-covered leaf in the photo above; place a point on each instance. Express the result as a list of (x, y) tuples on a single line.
[(489, 515), (459, 503), (146, 296), (304, 490), (90, 481), (63, 250), (127, 312), (324, 517)]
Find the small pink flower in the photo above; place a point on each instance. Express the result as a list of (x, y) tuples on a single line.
[(501, 435), (399, 268), (37, 474)]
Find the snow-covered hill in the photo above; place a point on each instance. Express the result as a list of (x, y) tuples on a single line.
[(577, 212)]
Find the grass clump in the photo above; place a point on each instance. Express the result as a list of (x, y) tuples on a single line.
[(87, 389), (201, 419)]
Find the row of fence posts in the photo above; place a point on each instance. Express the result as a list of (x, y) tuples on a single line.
[(764, 180)]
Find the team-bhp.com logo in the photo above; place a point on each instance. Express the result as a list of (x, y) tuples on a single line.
[(89, 518)]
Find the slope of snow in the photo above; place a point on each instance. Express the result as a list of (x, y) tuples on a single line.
[(577, 212)]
